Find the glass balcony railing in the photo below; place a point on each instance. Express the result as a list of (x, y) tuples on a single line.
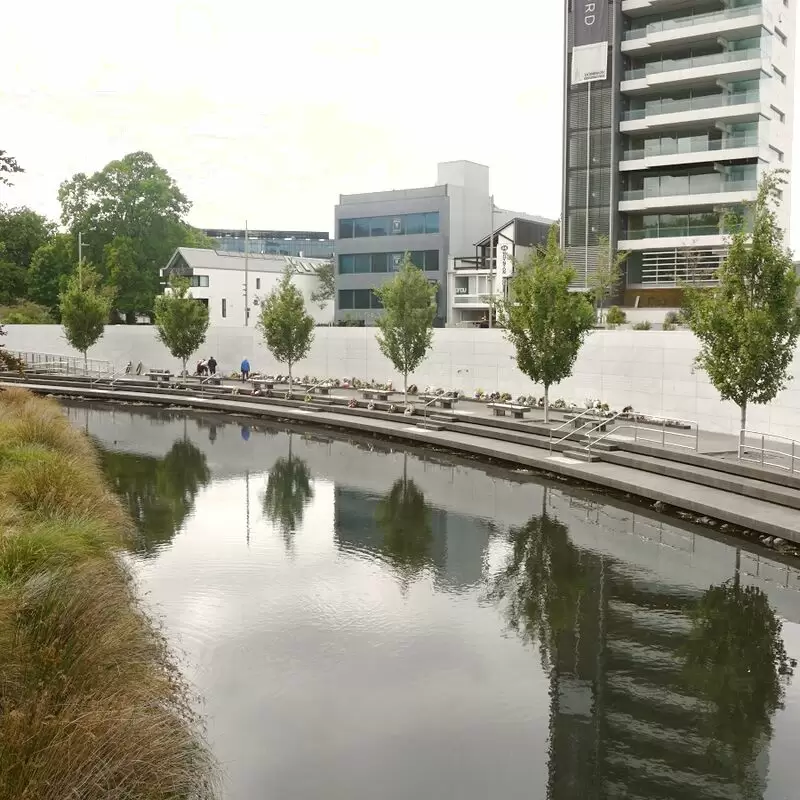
[(665, 232), (656, 107), (693, 144), (712, 59), (691, 185), (687, 22)]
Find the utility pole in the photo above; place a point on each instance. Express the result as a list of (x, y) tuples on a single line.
[(80, 259), (246, 275)]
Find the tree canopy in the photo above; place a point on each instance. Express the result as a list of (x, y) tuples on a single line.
[(606, 278), (748, 326), (84, 310), (406, 324), (326, 290), (8, 166), (181, 321)]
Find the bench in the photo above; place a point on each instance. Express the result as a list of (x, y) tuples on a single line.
[(501, 409), (323, 389), (376, 394), (159, 375), (211, 380), (589, 423), (441, 400), (262, 383)]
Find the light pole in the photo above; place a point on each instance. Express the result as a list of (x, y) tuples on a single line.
[(246, 275), (80, 259)]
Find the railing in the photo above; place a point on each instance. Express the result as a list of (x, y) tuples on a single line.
[(688, 188), (712, 59), (571, 421), (790, 455), (686, 22), (690, 144), (667, 232), (64, 365), (648, 427), (668, 106)]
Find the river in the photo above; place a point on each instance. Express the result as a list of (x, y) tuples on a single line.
[(366, 621)]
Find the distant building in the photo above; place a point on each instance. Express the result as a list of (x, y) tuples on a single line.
[(305, 244), (218, 279)]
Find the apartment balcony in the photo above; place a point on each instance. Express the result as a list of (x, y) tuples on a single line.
[(674, 114), (676, 267), (692, 150), (685, 193), (702, 70), (679, 237), (732, 24)]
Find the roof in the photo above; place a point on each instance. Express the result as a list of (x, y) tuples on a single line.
[(518, 218), (202, 259)]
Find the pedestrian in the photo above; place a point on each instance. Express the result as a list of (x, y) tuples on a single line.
[(199, 368), (212, 366), (245, 369)]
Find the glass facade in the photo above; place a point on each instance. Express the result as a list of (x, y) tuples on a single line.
[(400, 225), (358, 299), (363, 263), (310, 244)]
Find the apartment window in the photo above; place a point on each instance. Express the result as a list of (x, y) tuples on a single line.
[(778, 153), (415, 223), (779, 115), (779, 75), (361, 263), (781, 35), (432, 222), (345, 299), (380, 262), (361, 228), (404, 225), (359, 299), (224, 308), (198, 281), (431, 261), (346, 264), (380, 226), (345, 228), (258, 283)]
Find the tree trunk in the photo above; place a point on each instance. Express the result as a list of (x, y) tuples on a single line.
[(183, 372), (290, 378), (546, 403), (405, 387), (742, 425), (85, 363)]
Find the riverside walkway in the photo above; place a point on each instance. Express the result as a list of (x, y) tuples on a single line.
[(699, 480)]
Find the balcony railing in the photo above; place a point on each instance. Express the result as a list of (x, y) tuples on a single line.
[(700, 185), (658, 107), (668, 232), (687, 22), (671, 147), (712, 59)]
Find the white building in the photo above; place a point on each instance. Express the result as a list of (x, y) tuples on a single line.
[(218, 279), (673, 111)]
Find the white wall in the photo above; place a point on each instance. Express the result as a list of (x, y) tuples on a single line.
[(650, 370)]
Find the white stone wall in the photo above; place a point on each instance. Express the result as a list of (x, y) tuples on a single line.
[(650, 370)]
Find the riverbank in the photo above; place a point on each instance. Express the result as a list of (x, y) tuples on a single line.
[(91, 702)]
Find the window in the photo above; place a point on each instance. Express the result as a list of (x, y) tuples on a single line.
[(778, 153), (345, 228), (415, 223), (431, 261), (224, 308), (362, 263), (345, 298), (389, 226), (375, 300), (258, 283), (380, 262), (418, 258), (432, 222), (198, 280), (395, 260), (779, 115), (779, 75), (346, 265), (361, 228), (781, 35), (379, 226), (361, 298)]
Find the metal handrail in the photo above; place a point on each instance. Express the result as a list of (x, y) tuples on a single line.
[(636, 426), (572, 421), (427, 405), (793, 455)]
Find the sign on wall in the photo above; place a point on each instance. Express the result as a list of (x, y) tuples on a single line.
[(504, 263), (590, 40)]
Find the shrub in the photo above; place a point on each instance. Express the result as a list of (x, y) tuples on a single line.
[(672, 318), (26, 313), (616, 316), (642, 326)]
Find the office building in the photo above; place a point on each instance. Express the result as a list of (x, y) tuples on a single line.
[(434, 224), (218, 280), (673, 110), (301, 244)]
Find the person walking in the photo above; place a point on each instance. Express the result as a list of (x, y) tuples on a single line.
[(245, 370), (212, 366)]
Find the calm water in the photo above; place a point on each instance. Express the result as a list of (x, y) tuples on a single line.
[(365, 622)]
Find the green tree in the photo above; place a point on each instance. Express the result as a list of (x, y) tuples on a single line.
[(406, 325), (84, 310), (123, 267), (8, 166), (131, 198), (287, 328), (22, 233), (544, 321), (605, 280), (13, 281), (181, 321), (51, 266), (25, 313), (749, 324), (326, 290), (7, 361)]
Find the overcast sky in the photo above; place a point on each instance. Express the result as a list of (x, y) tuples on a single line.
[(267, 111)]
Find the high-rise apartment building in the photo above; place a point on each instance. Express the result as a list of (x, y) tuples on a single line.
[(673, 109)]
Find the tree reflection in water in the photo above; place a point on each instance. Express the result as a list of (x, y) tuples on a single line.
[(289, 490), (159, 493)]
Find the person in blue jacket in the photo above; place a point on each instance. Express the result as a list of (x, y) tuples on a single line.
[(245, 369)]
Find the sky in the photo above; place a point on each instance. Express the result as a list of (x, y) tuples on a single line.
[(266, 112)]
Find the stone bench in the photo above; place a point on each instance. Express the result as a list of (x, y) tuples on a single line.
[(501, 409), (159, 375), (262, 383), (443, 401), (211, 380), (376, 394)]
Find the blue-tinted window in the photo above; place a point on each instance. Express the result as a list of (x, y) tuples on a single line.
[(345, 228), (376, 301), (431, 260), (361, 227), (432, 222), (361, 298), (345, 298), (345, 265), (379, 226), (397, 226), (380, 262), (395, 260), (361, 263), (418, 258), (415, 223)]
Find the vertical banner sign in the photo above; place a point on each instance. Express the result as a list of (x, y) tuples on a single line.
[(590, 40)]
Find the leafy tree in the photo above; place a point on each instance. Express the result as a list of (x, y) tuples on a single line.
[(7, 361), (287, 328), (25, 313), (608, 275), (49, 271), (8, 166), (131, 198), (748, 326), (13, 281), (406, 325), (22, 233), (122, 264), (84, 310), (544, 321), (181, 321), (326, 290)]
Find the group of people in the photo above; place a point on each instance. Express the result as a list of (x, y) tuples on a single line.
[(207, 366)]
